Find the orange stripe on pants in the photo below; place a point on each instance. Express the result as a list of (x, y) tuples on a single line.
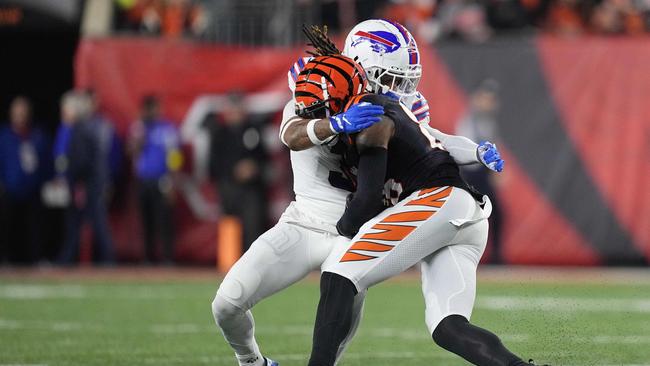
[(433, 200), (389, 232)]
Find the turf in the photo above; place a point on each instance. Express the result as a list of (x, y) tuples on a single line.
[(135, 322)]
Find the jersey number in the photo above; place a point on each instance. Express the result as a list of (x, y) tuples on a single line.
[(432, 140), (392, 191)]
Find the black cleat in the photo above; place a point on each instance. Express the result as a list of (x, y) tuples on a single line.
[(531, 363)]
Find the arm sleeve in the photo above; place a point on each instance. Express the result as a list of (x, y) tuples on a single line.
[(367, 201), (462, 149), (420, 109), (288, 117)]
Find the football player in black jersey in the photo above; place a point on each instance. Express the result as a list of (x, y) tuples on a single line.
[(436, 220)]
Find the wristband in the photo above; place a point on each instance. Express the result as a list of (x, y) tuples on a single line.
[(332, 122), (311, 133)]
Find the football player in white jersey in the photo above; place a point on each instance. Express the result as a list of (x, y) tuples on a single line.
[(302, 239), (390, 56), (306, 233)]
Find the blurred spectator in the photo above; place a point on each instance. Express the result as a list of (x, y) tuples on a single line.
[(508, 14), (109, 143), (183, 16), (82, 165), (23, 166), (566, 17), (479, 124), (616, 17), (170, 18), (237, 164), (465, 19), (415, 15), (254, 22), (155, 147), (536, 10)]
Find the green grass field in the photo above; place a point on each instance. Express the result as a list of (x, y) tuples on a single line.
[(167, 321)]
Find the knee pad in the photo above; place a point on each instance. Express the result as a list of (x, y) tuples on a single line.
[(222, 310)]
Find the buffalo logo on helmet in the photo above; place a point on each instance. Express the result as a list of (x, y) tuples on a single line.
[(380, 41)]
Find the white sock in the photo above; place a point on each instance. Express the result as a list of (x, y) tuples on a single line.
[(238, 328), (253, 359)]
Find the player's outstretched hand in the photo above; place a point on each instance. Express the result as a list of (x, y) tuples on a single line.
[(357, 118), (488, 154)]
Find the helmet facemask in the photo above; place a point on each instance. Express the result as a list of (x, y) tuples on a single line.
[(321, 109), (395, 81)]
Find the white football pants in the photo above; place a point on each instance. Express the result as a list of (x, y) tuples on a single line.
[(444, 228), (277, 259)]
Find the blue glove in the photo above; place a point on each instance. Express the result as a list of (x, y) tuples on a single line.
[(392, 95), (355, 119), (488, 154)]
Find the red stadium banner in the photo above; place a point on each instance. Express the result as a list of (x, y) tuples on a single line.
[(574, 129), (124, 70)]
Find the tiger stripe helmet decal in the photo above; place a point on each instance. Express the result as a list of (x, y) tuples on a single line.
[(325, 84)]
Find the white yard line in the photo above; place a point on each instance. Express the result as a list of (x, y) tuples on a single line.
[(303, 357), (55, 326), (348, 356), (564, 275), (184, 328), (304, 330), (37, 292), (626, 339), (563, 304), (58, 291), (522, 303)]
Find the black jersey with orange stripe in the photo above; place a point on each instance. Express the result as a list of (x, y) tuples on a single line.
[(415, 159)]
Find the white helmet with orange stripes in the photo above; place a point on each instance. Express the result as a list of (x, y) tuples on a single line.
[(389, 55)]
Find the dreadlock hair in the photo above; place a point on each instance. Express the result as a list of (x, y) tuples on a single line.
[(317, 36)]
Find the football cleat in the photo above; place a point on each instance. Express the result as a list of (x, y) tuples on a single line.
[(270, 362), (532, 363)]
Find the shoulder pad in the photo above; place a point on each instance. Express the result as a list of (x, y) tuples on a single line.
[(420, 108), (295, 69)]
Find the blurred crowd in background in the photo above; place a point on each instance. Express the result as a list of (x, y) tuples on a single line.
[(430, 20), (85, 166), (82, 169), (61, 176)]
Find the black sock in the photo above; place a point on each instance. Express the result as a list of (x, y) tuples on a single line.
[(333, 319), (474, 344)]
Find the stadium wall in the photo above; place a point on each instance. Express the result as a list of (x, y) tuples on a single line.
[(574, 125)]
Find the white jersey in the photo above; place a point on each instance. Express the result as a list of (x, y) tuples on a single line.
[(306, 236), (318, 203)]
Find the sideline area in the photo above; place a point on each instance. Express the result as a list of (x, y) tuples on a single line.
[(486, 274)]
